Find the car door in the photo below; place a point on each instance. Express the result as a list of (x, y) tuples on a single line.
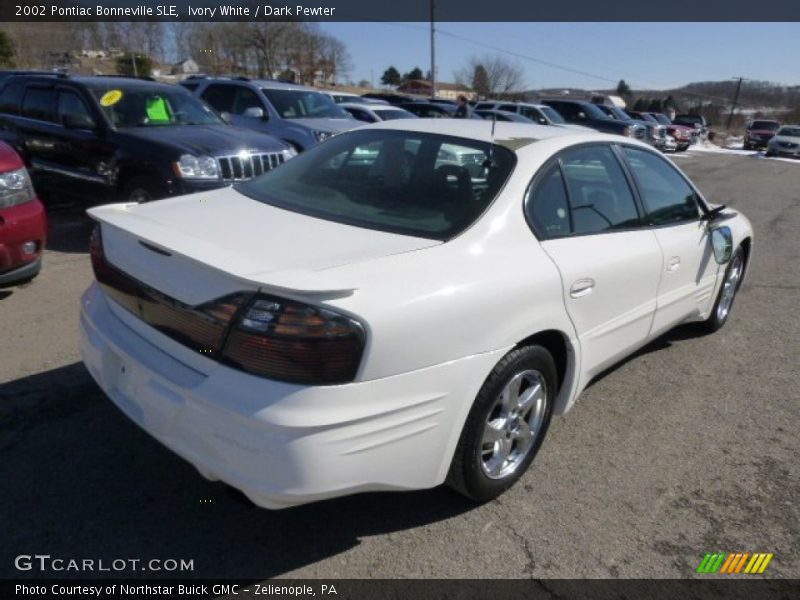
[(689, 271), (37, 128), (84, 156), (584, 212)]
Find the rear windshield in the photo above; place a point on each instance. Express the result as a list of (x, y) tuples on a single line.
[(410, 183), (767, 125)]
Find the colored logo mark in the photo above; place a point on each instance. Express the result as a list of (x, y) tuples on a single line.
[(735, 562)]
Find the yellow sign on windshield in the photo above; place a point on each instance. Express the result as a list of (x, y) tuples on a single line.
[(110, 98)]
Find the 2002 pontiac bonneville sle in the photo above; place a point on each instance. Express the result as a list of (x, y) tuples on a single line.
[(407, 304)]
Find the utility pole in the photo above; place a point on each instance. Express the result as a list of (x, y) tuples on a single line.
[(735, 100), (133, 62), (433, 54)]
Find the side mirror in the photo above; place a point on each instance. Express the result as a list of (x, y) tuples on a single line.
[(722, 244), (78, 121), (226, 116), (253, 112)]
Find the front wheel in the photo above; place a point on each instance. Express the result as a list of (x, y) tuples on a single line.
[(143, 189), (506, 425), (727, 293)]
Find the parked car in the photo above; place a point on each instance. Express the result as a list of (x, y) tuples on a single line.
[(350, 98), (655, 133), (376, 112), (682, 134), (389, 97), (786, 142), (502, 115), (589, 115), (697, 121), (23, 224), (103, 138), (343, 325), (759, 132), (429, 110), (298, 115)]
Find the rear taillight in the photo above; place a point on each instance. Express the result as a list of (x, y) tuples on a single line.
[(263, 335), (295, 342)]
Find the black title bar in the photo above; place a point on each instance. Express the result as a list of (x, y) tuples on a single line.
[(405, 10)]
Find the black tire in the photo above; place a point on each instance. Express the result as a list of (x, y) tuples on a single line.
[(769, 153), (467, 473), (717, 318), (143, 188)]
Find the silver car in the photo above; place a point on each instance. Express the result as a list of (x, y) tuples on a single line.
[(786, 142)]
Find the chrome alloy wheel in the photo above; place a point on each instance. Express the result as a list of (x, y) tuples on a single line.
[(729, 287), (513, 424)]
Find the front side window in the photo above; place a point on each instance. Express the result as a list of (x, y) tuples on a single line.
[(302, 104), (410, 183), (246, 98), (71, 107), (10, 97), (666, 195), (39, 104), (220, 96)]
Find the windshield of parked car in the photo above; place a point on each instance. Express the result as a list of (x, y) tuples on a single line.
[(663, 119), (593, 111), (617, 113), (304, 104), (406, 182), (765, 125), (144, 106), (552, 114), (790, 131)]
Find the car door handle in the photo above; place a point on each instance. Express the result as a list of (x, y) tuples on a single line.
[(674, 263), (581, 287)]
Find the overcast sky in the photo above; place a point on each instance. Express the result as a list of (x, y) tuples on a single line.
[(646, 55)]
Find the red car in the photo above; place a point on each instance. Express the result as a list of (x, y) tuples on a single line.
[(23, 223), (759, 133), (683, 135)]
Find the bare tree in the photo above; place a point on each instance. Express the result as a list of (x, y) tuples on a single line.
[(502, 76)]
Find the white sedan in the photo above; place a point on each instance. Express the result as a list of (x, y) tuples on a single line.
[(375, 315)]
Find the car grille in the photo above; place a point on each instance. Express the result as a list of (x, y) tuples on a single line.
[(240, 167), (661, 133), (639, 132), (788, 145)]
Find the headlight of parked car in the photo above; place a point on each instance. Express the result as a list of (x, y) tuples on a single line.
[(288, 153), (15, 188), (196, 167), (321, 136)]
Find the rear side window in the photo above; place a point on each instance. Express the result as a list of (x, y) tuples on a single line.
[(600, 197), (39, 104), (585, 192), (11, 97), (666, 195), (221, 97), (548, 208)]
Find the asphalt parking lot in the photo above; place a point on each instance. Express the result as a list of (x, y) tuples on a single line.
[(689, 447)]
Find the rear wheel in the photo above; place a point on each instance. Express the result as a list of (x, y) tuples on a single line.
[(727, 293), (143, 188), (506, 425)]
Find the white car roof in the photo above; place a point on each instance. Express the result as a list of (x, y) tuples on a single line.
[(521, 137)]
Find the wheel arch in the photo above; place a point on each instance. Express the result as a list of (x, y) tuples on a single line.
[(565, 355)]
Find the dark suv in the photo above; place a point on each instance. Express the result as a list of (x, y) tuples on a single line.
[(589, 115), (111, 138)]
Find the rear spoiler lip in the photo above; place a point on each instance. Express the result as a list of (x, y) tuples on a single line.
[(289, 281)]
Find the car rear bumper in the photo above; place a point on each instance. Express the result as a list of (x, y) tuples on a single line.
[(23, 232), (284, 444)]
